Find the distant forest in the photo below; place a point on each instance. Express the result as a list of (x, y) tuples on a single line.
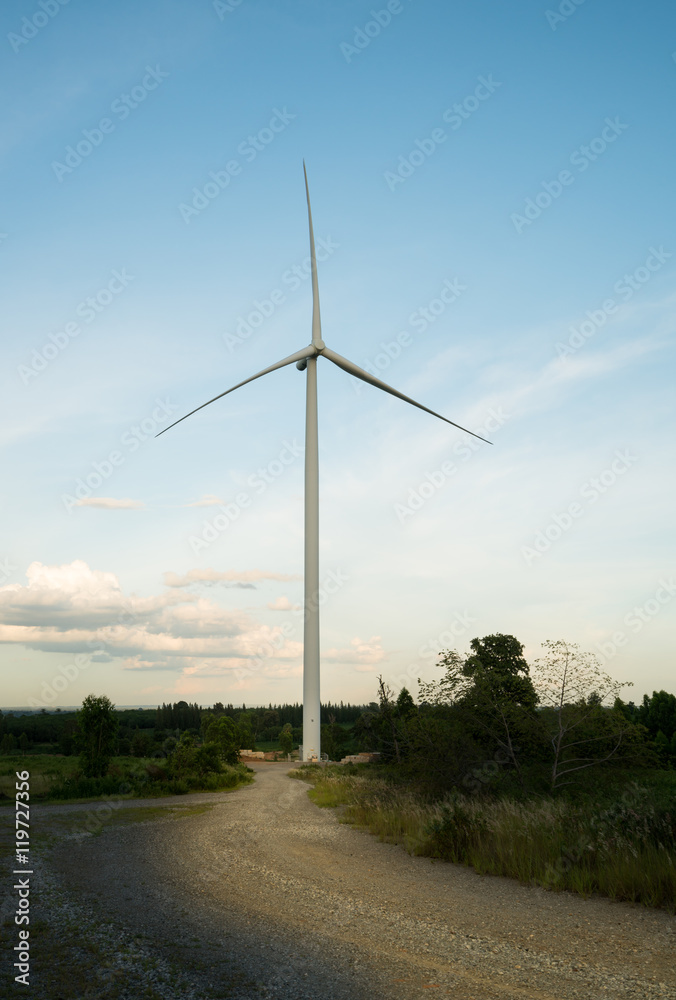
[(139, 728)]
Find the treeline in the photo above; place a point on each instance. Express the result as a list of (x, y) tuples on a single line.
[(658, 715), (184, 716), (140, 731), (492, 722)]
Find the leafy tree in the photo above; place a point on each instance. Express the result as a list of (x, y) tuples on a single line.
[(8, 744), (661, 742), (184, 758), (270, 718), (365, 731), (245, 730), (333, 738), (658, 713), (208, 758), (404, 706), (223, 732), (492, 697), (497, 665), (23, 743), (96, 734), (286, 739)]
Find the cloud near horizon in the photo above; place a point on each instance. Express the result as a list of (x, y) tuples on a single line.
[(74, 609), (111, 503), (208, 500)]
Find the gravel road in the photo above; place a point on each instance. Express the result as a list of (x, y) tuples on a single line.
[(266, 895)]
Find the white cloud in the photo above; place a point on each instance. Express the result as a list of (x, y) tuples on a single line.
[(362, 654), (110, 503), (73, 609), (208, 500), (282, 604)]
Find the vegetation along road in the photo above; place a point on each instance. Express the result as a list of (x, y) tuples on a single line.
[(260, 893)]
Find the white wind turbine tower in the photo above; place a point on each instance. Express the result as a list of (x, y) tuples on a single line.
[(306, 359)]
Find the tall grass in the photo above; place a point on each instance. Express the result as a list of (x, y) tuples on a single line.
[(625, 850)]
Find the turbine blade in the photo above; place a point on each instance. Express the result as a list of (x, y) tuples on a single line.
[(316, 318), (352, 369), (307, 352)]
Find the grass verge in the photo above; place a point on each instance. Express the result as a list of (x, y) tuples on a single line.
[(623, 847)]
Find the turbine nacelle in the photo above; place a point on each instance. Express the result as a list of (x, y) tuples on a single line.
[(317, 348)]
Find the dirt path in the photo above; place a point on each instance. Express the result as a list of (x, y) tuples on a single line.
[(266, 895)]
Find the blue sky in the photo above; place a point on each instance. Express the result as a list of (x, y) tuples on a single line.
[(517, 158)]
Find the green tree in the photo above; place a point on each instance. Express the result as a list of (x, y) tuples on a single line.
[(404, 705), (390, 738), (499, 670), (661, 742), (245, 729), (492, 699), (658, 713), (208, 759), (286, 739), (96, 734), (223, 732), (23, 743), (184, 758)]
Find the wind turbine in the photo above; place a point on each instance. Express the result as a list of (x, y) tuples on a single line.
[(306, 360)]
